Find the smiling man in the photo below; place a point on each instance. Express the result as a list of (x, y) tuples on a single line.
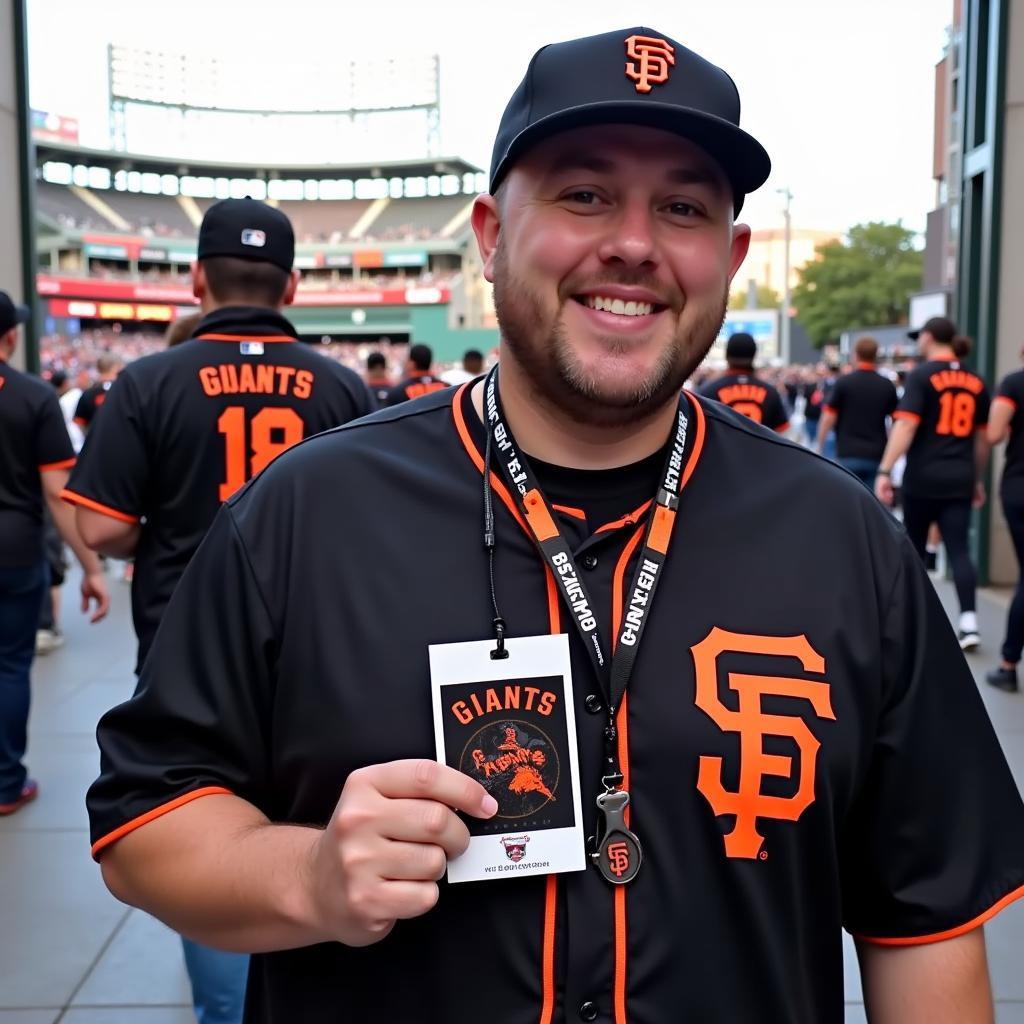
[(755, 772)]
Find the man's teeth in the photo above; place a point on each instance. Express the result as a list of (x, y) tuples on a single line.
[(618, 306)]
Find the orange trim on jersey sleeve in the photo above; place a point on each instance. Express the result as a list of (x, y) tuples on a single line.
[(271, 338), (782, 428), (950, 933), (78, 499), (568, 510), (1007, 400), (79, 422), (903, 414), (66, 464), (157, 812), (830, 409)]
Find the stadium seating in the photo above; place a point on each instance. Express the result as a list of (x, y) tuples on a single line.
[(61, 206), (411, 219), (324, 220), (151, 215)]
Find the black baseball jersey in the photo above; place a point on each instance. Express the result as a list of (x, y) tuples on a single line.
[(788, 761), (184, 429), (862, 401), (381, 393), (90, 403), (1011, 391), (33, 439), (413, 387), (949, 404), (748, 394)]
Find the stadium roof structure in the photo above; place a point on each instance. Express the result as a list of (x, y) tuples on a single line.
[(116, 161)]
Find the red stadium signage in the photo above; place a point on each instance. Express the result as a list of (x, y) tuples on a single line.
[(103, 290)]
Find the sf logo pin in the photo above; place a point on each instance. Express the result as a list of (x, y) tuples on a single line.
[(618, 854)]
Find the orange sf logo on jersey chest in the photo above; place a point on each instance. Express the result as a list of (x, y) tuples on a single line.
[(649, 61), (748, 803)]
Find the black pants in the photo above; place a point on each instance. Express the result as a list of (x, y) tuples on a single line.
[(954, 520), (1014, 642)]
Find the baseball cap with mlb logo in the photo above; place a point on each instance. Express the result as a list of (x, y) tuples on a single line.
[(249, 230), (633, 76)]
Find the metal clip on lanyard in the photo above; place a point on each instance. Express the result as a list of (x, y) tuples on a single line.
[(618, 853)]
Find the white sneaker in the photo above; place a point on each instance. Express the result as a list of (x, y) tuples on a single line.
[(969, 640), (48, 640)]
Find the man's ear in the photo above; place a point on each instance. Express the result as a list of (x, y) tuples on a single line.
[(199, 286), (740, 245), (486, 221), (289, 292)]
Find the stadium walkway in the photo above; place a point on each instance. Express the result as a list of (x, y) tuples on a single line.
[(70, 953)]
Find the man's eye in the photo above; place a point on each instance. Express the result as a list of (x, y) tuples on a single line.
[(583, 197), (682, 209)]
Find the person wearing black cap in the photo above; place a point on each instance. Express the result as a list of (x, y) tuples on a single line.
[(35, 456), (183, 429), (377, 379), (418, 380), (940, 427), (741, 389), (754, 771)]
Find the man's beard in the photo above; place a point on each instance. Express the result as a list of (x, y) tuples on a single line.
[(556, 375)]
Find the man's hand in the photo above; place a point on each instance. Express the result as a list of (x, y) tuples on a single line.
[(979, 495), (883, 489), (388, 844), (94, 589)]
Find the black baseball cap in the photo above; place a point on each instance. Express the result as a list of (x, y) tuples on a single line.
[(11, 313), (941, 328), (633, 76), (249, 230), (741, 347)]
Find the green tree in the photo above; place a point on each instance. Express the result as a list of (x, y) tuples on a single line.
[(767, 298), (864, 281)]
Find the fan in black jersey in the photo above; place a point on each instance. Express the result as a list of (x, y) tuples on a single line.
[(858, 408), (418, 379), (377, 378), (35, 456), (741, 389), (940, 426), (1006, 423), (108, 366), (183, 430)]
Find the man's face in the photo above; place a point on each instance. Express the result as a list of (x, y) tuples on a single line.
[(611, 254)]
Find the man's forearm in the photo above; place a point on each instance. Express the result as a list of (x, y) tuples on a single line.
[(900, 439), (937, 983), (982, 450), (219, 872), (64, 519), (825, 425)]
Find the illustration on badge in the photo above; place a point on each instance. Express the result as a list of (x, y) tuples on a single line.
[(516, 763), (515, 847)]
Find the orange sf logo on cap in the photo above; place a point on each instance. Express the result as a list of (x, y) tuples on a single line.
[(649, 61)]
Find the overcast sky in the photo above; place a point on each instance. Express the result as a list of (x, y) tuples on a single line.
[(840, 94)]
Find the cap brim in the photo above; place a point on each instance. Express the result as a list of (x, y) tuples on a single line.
[(742, 158)]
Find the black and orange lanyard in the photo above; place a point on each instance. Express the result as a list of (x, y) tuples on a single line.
[(617, 853)]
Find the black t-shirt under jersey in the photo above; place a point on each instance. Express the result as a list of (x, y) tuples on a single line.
[(184, 429), (862, 402), (1011, 390), (33, 439)]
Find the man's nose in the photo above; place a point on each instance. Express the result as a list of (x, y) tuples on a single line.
[(629, 240)]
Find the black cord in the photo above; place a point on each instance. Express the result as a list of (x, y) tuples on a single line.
[(499, 651)]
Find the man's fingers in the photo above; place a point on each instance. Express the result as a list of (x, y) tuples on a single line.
[(425, 821), (413, 862), (428, 780), (403, 900)]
